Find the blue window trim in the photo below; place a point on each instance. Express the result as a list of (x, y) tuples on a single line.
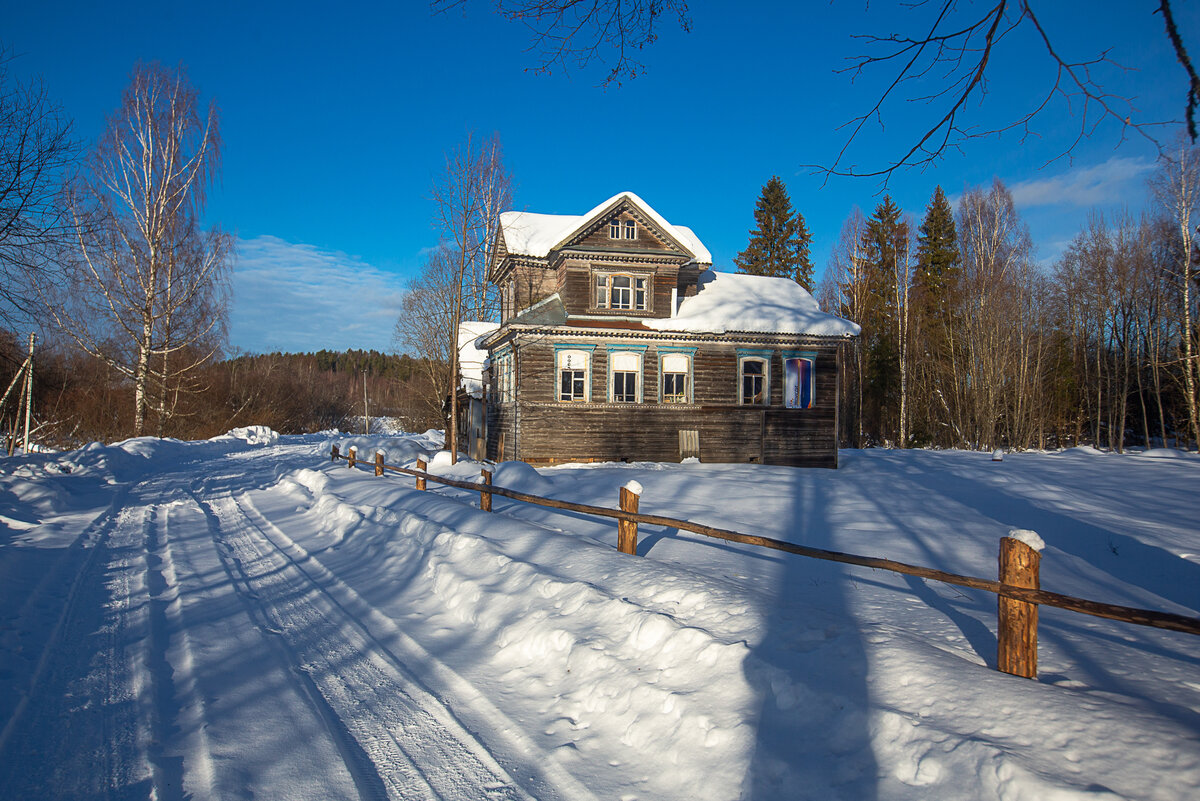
[(640, 350), (767, 355), (678, 350), (587, 382), (809, 355)]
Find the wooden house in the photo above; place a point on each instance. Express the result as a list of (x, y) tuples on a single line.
[(618, 342)]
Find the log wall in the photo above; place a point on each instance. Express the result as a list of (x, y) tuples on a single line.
[(538, 428)]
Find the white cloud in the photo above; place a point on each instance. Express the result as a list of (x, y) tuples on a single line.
[(1102, 184), (297, 297)]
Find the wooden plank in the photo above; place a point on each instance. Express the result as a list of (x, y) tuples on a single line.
[(1144, 617)]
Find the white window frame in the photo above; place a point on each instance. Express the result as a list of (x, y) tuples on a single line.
[(630, 228), (615, 228), (625, 354), (688, 384), (565, 361), (639, 287), (765, 361)]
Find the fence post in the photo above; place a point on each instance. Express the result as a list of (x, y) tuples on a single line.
[(485, 497), (627, 530), (379, 463), (351, 457), (333, 454), (422, 467), (1018, 620)]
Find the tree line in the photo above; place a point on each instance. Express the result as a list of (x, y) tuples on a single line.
[(967, 341), (79, 399)]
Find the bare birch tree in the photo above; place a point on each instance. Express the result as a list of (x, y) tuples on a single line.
[(845, 289), (147, 293), (1177, 190), (469, 197)]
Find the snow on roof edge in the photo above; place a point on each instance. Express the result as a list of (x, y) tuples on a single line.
[(544, 232)]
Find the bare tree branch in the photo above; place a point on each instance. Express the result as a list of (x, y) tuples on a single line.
[(571, 34), (35, 151)]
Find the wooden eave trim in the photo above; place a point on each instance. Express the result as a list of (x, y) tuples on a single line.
[(588, 226), (779, 340), (607, 254), (510, 263)]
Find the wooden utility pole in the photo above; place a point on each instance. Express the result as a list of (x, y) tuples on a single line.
[(366, 417), (28, 391)]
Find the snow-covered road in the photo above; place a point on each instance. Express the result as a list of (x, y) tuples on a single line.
[(241, 619)]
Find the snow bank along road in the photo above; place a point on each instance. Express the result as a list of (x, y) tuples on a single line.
[(239, 618)]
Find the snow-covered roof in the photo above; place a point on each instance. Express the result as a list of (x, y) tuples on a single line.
[(470, 356), (529, 234), (736, 302)]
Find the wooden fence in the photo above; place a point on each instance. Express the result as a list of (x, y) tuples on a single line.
[(1017, 589)]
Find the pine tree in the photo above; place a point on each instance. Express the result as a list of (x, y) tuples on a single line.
[(780, 242)]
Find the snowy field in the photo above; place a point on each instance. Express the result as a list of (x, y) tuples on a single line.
[(240, 618)]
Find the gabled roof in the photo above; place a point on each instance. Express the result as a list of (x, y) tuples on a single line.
[(753, 303), (536, 235)]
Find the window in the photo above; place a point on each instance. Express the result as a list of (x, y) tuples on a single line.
[(505, 388), (625, 371), (799, 380), (621, 292), (676, 367), (630, 229), (572, 375), (614, 229), (754, 376)]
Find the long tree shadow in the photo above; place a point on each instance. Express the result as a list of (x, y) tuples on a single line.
[(812, 738), (1121, 556)]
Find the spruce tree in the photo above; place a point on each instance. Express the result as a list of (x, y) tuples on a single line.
[(937, 251), (883, 248), (780, 242)]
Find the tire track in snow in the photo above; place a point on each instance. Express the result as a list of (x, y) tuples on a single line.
[(398, 740), (506, 742), (177, 709), (73, 733)]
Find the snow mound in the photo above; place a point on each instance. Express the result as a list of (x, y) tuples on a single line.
[(1166, 453), (251, 435), (521, 477)]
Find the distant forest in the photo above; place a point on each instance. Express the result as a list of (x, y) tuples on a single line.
[(78, 399)]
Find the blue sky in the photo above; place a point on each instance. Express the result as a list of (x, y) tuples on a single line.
[(335, 120)]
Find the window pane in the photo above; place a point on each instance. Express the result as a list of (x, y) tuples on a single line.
[(630, 229), (674, 388), (614, 229), (625, 387)]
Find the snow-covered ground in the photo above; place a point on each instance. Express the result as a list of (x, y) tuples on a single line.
[(240, 618)]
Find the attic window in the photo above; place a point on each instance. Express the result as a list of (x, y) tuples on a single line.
[(614, 229), (630, 229), (621, 292)]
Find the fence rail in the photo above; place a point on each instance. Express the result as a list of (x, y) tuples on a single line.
[(1018, 589)]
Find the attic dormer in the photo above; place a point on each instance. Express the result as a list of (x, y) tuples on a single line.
[(621, 259)]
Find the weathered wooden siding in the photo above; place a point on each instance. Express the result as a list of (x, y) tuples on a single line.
[(533, 284), (646, 239), (546, 430)]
